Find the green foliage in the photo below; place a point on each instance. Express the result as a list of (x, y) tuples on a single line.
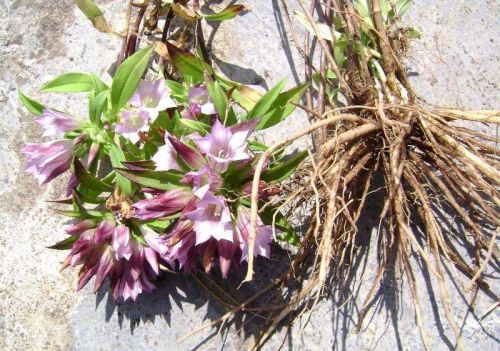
[(282, 106), (65, 244), (228, 13), (162, 180), (70, 83), (281, 171), (33, 106), (117, 157), (94, 14), (265, 103), (88, 179), (196, 126), (127, 78)]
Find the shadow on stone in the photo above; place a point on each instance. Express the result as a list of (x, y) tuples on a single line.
[(199, 290)]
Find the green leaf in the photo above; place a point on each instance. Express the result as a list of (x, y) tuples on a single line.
[(282, 107), (218, 97), (69, 83), (97, 105), (229, 12), (284, 170), (127, 77), (84, 214), (99, 85), (265, 103), (363, 10), (117, 157), (65, 244), (94, 14), (402, 6), (186, 63), (33, 106), (414, 34), (244, 95), (385, 8), (162, 180), (256, 146), (88, 179), (159, 225), (178, 91), (272, 216), (196, 125)]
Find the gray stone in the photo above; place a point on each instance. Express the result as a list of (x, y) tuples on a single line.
[(455, 65)]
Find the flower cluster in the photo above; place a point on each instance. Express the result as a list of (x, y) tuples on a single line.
[(178, 192)]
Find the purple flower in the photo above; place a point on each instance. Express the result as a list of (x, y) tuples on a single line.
[(162, 205), (80, 227), (110, 252), (93, 252), (121, 242), (202, 177), (176, 245), (191, 156), (129, 278), (166, 157), (225, 145), (152, 97), (263, 238), (48, 160), (54, 122), (131, 123), (211, 218), (199, 102)]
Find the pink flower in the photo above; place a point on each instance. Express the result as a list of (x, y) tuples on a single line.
[(121, 242), (131, 123), (180, 245), (166, 157), (152, 97), (263, 237), (48, 160), (175, 245), (80, 227), (199, 102), (162, 205), (211, 217), (225, 145), (202, 177), (54, 122), (189, 155), (129, 278), (93, 252), (110, 252)]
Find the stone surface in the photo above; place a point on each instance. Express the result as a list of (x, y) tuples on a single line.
[(455, 65)]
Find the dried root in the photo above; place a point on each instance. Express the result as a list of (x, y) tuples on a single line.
[(432, 169)]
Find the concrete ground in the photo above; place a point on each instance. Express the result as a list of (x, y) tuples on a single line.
[(455, 65)]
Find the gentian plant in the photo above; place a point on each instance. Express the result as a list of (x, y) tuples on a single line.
[(161, 172)]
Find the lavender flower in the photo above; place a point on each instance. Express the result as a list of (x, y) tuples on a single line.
[(263, 238), (131, 123), (199, 102), (166, 157), (225, 145), (152, 97), (211, 218), (54, 122), (48, 160), (201, 178), (162, 205), (110, 252), (129, 278), (121, 242)]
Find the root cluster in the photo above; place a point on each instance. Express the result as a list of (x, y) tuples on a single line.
[(440, 182)]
